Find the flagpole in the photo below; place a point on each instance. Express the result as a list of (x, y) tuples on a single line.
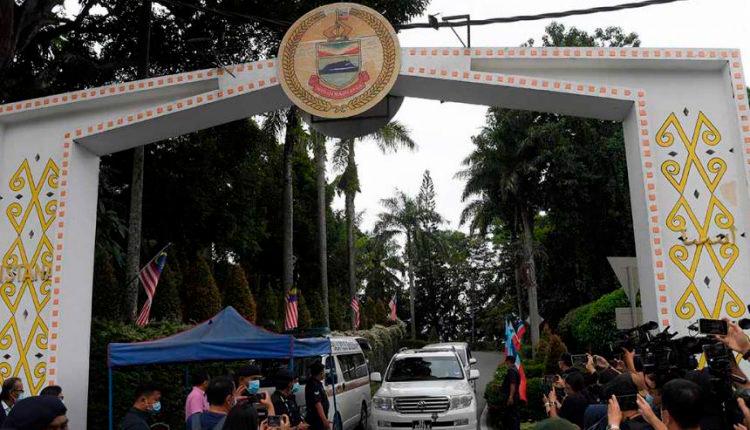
[(149, 262)]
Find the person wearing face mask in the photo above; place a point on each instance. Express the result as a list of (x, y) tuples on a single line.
[(147, 403), (284, 401), (12, 392), (249, 377)]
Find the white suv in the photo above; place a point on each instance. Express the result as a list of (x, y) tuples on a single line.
[(425, 389)]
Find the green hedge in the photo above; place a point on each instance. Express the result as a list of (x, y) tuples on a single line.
[(591, 327), (384, 341), (413, 343)]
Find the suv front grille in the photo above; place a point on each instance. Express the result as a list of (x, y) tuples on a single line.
[(421, 405)]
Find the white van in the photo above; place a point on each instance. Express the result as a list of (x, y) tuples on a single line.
[(347, 368)]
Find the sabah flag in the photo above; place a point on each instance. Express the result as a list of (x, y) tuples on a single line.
[(513, 347)]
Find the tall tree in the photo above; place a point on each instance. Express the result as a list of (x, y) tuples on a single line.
[(389, 138), (136, 185), (401, 217), (290, 138), (319, 151)]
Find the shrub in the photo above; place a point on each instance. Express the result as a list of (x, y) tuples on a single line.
[(412, 343), (268, 309), (555, 348), (237, 293), (384, 342), (202, 296), (591, 327), (534, 408), (533, 369), (167, 305)]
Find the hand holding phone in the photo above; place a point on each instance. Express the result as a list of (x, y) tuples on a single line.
[(274, 421)]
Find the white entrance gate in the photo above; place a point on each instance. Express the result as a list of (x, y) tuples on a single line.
[(687, 135)]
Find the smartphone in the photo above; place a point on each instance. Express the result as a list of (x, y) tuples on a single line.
[(274, 421), (579, 359), (708, 326), (628, 403)]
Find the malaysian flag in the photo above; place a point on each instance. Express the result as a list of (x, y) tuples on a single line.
[(149, 277), (355, 308), (291, 321), (513, 347), (392, 306)]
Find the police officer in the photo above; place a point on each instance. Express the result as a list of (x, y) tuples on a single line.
[(316, 399), (284, 401)]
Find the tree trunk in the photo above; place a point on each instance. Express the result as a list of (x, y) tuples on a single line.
[(412, 292), (529, 269), (350, 193), (135, 219), (320, 165), (292, 122)]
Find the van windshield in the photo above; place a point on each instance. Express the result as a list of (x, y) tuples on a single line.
[(424, 369)]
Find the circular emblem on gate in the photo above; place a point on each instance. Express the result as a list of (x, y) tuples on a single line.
[(421, 405), (339, 60)]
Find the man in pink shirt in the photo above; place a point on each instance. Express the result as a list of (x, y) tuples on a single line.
[(196, 401)]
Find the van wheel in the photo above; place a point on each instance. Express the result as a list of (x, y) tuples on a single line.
[(363, 415)]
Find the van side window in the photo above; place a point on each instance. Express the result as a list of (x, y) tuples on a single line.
[(360, 366), (353, 366)]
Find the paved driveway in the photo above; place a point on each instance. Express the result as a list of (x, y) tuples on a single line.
[(487, 363)]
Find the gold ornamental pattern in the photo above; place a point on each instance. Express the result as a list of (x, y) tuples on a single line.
[(26, 284), (706, 250), (329, 101)]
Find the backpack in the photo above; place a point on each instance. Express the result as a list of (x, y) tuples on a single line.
[(195, 422)]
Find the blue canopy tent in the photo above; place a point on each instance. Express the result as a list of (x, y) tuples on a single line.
[(225, 337)]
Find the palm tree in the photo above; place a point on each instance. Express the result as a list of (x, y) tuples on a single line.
[(318, 142), (503, 176), (401, 217), (390, 138)]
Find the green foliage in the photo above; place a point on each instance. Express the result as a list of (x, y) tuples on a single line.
[(412, 343), (303, 314), (268, 310), (591, 327), (237, 293), (202, 298), (555, 348), (167, 305), (384, 341), (169, 378), (534, 369), (534, 408), (107, 301)]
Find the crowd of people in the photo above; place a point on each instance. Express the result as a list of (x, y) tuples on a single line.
[(618, 394), (43, 412), (237, 403)]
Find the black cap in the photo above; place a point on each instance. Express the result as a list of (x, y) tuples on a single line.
[(34, 413), (249, 370), (282, 378)]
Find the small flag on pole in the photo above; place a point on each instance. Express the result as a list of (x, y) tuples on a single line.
[(392, 306), (513, 347), (149, 277), (355, 308), (290, 322)]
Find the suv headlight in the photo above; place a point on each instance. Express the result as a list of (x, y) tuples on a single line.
[(461, 401), (382, 403)]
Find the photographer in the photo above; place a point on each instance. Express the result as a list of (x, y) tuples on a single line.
[(575, 403)]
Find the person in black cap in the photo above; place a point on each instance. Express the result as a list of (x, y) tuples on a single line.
[(316, 398), (37, 413), (284, 401)]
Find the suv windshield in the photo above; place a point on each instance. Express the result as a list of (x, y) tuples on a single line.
[(424, 369)]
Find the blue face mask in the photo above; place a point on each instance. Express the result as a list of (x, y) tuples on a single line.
[(296, 388), (156, 408), (253, 387), (650, 400)]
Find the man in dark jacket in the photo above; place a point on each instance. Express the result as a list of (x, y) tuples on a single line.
[(284, 401), (147, 403), (316, 398), (39, 412)]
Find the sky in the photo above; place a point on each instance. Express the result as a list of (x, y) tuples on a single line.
[(443, 131)]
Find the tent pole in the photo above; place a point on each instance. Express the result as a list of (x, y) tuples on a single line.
[(110, 411)]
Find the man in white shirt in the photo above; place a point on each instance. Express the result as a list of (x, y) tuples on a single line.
[(12, 392)]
